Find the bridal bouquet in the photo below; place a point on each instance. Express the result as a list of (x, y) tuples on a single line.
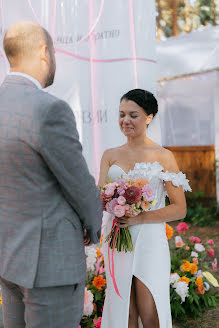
[(126, 197)]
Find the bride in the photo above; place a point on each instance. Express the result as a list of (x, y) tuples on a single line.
[(142, 276)]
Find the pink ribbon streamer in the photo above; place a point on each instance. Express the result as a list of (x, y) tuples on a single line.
[(112, 272)]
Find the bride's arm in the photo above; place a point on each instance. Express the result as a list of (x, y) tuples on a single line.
[(104, 167), (177, 208)]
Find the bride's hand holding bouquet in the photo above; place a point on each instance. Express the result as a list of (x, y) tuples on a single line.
[(126, 199)]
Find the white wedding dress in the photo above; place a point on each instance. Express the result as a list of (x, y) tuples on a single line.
[(150, 260)]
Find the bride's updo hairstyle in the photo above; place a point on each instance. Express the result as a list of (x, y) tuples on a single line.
[(144, 99)]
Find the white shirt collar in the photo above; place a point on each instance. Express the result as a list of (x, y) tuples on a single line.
[(32, 79)]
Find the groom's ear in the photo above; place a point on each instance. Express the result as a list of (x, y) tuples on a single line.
[(44, 54)]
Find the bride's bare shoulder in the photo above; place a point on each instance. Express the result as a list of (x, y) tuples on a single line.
[(167, 160), (110, 155)]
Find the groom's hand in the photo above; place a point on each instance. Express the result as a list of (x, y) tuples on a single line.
[(87, 240)]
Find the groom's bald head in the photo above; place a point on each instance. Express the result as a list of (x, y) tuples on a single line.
[(29, 49), (23, 40)]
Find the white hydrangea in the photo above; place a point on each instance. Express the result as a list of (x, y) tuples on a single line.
[(194, 254), (91, 257), (88, 302), (182, 289), (199, 247), (199, 274), (174, 277)]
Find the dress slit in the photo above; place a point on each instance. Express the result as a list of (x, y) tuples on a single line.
[(150, 288)]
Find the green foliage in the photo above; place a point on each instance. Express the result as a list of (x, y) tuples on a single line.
[(191, 15), (198, 213), (195, 303)]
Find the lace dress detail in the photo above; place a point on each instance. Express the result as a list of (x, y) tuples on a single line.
[(150, 260), (155, 169)]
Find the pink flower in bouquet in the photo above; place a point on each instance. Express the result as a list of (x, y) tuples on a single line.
[(122, 187), (214, 265), (121, 200), (119, 211), (145, 205), (97, 322), (109, 192), (211, 252), (210, 242), (148, 193), (182, 227), (111, 206), (129, 211), (133, 194), (194, 239)]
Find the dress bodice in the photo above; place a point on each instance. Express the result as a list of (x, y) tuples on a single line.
[(155, 174)]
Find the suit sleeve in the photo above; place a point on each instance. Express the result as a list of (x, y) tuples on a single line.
[(62, 151)]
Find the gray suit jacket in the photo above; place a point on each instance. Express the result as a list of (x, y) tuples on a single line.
[(47, 195)]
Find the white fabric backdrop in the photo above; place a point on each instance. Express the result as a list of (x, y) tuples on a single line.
[(187, 108), (104, 48)]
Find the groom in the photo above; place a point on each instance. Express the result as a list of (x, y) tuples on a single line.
[(47, 196)]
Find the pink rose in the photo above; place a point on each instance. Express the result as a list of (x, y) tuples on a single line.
[(179, 242), (129, 211), (111, 206), (148, 193), (214, 265), (210, 242), (211, 252), (195, 239), (182, 227), (121, 200), (119, 211), (109, 192)]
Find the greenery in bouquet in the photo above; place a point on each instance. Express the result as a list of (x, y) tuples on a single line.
[(191, 280), (125, 197)]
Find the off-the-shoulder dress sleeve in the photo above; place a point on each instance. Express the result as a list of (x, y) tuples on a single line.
[(177, 179)]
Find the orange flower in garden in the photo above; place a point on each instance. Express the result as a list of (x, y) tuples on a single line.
[(169, 231), (195, 260), (194, 268), (99, 282), (199, 282), (201, 290), (0, 300), (98, 252), (184, 278), (186, 266), (140, 183)]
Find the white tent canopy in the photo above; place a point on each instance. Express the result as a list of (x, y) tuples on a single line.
[(188, 73), (190, 53)]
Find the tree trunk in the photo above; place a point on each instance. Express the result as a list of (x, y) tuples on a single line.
[(213, 12), (159, 29), (174, 18)]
